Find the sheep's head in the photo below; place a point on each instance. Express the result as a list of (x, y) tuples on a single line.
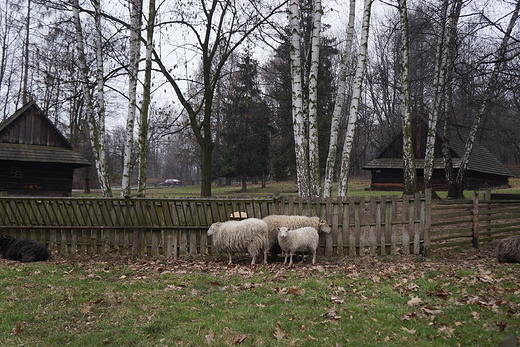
[(213, 228), (324, 227), (283, 231)]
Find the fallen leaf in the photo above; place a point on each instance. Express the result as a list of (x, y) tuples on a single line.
[(441, 293), (409, 331), (18, 329), (337, 300), (279, 333), (408, 316), (475, 315), (210, 337), (412, 287), (414, 301), (296, 291), (431, 310), (446, 330), (239, 339)]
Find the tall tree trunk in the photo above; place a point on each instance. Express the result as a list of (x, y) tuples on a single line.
[(488, 94), (96, 119), (134, 44), (409, 171), (143, 124), (448, 105), (439, 88), (338, 107), (314, 158), (300, 140), (25, 98), (356, 99)]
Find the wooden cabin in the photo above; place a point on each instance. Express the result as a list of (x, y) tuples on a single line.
[(35, 158), (484, 169)]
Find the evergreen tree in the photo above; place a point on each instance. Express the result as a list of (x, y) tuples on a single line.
[(246, 126), (279, 82)]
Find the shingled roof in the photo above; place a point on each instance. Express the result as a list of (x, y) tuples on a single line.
[(481, 159), (31, 137), (41, 154)]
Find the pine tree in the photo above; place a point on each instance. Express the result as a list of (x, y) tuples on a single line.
[(246, 125)]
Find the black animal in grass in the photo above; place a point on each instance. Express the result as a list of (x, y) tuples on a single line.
[(24, 250)]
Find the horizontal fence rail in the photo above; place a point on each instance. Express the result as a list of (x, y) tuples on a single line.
[(172, 227), (473, 221)]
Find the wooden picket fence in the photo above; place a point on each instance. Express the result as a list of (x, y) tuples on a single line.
[(172, 227)]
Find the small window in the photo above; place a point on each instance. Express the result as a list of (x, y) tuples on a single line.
[(16, 171)]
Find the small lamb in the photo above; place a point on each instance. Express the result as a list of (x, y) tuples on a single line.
[(248, 235), (298, 240), (24, 250)]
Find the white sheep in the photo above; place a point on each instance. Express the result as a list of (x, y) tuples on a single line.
[(248, 235), (292, 222), (298, 240)]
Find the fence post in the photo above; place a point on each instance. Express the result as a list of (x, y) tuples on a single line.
[(427, 222), (474, 239)]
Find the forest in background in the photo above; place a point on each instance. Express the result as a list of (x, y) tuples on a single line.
[(184, 80)]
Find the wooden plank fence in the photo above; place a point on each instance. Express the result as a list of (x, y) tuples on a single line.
[(172, 227), (473, 221)]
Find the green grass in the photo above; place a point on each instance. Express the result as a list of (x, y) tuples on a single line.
[(358, 186), (445, 300)]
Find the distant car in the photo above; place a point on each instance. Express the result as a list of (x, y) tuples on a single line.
[(171, 182)]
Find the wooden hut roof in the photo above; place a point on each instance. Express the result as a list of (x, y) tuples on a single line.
[(29, 136), (41, 154), (481, 159)]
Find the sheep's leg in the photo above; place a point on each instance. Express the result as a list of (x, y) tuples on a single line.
[(265, 256), (314, 256), (253, 260), (230, 260), (291, 256)]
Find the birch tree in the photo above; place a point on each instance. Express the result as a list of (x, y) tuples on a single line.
[(134, 44), (448, 104), (147, 85), (439, 87), (488, 95), (314, 162), (356, 99), (302, 154), (340, 100), (96, 114), (304, 80), (409, 171)]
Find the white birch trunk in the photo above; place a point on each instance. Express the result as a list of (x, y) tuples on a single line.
[(134, 44), (356, 98), (487, 96), (439, 87), (314, 158), (409, 172), (96, 120), (338, 107), (297, 101), (448, 106), (143, 124)]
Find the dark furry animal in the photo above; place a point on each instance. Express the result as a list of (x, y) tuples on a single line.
[(508, 250), (24, 250)]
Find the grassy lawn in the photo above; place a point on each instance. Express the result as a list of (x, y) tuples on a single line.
[(358, 186), (460, 297)]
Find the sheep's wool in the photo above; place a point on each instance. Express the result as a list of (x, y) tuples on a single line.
[(248, 235)]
